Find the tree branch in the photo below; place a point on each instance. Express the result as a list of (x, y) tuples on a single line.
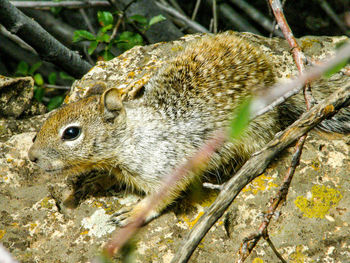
[(45, 45), (66, 4), (257, 164), (192, 24)]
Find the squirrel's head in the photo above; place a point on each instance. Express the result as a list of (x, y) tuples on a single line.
[(73, 139)]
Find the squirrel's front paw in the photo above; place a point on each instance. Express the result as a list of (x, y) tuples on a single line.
[(122, 217), (126, 215)]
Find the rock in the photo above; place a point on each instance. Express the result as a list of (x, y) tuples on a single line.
[(16, 97)]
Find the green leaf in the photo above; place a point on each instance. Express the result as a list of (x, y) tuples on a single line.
[(22, 68), (140, 19), (56, 10), (336, 68), (80, 35), (92, 47), (106, 28), (103, 38), (54, 103), (52, 78), (156, 19), (38, 79), (241, 121), (34, 67), (39, 93), (107, 55), (64, 75), (105, 18), (128, 40)]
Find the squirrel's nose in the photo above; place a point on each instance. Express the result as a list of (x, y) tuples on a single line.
[(32, 156)]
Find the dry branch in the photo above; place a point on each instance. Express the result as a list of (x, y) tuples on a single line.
[(45, 45), (66, 4), (192, 24), (257, 16), (249, 243), (257, 164), (238, 21)]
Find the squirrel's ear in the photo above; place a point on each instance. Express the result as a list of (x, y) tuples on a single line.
[(111, 103)]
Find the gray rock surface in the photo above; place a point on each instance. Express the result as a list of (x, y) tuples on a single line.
[(313, 225)]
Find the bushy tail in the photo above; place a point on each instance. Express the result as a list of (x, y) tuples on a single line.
[(321, 89), (338, 123)]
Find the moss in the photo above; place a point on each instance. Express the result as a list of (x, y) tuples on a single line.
[(323, 198)]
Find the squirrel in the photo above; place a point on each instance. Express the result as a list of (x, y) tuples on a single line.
[(142, 140)]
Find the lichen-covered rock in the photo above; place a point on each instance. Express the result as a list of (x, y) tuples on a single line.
[(16, 97), (133, 69), (17, 105), (313, 225)]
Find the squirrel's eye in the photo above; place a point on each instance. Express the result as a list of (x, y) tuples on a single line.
[(71, 133)]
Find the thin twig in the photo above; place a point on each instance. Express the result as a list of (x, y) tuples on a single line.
[(57, 87), (329, 11), (240, 23), (215, 18), (249, 244), (272, 246), (257, 16), (192, 24), (213, 186), (195, 10), (87, 21), (116, 27), (176, 5), (67, 4), (17, 40)]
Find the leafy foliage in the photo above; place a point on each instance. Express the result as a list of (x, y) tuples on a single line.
[(103, 40), (23, 69)]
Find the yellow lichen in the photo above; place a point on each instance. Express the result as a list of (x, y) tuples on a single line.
[(131, 74), (298, 256), (97, 204), (328, 109), (208, 199), (323, 198), (315, 165), (258, 260), (261, 183), (84, 232), (45, 203), (176, 48), (32, 226), (190, 222), (2, 233)]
